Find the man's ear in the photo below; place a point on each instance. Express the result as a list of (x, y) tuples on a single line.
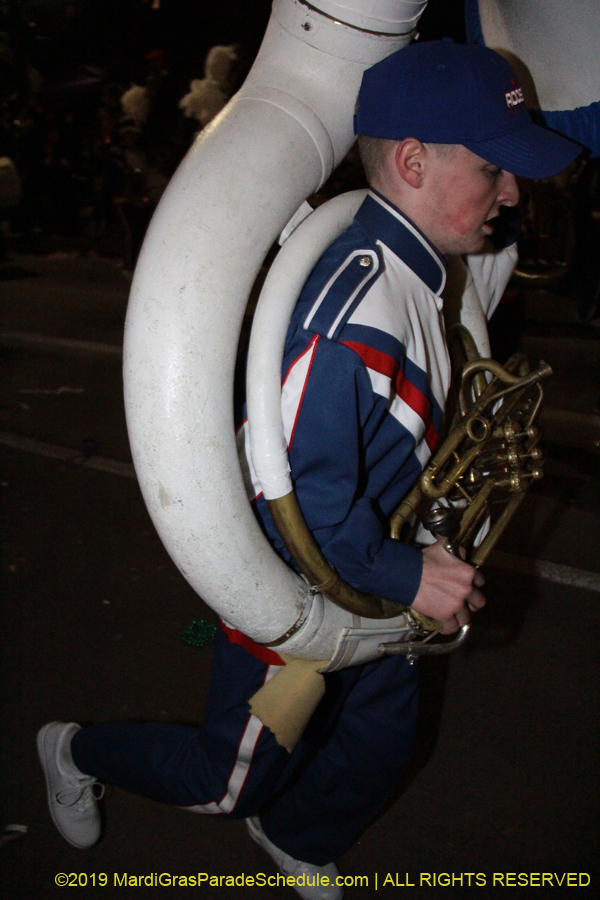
[(410, 161)]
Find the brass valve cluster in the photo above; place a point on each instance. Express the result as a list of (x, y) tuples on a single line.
[(488, 460)]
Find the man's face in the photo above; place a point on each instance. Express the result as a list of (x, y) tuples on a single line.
[(465, 194)]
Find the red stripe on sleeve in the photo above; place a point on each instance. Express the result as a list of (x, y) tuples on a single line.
[(411, 395), (312, 346)]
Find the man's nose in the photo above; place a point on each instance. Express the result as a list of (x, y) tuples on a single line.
[(509, 190)]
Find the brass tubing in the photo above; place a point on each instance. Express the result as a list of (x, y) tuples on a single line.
[(476, 368), (474, 511), (536, 409), (466, 338), (489, 542), (490, 365), (472, 353), (435, 491), (514, 382), (405, 510), (305, 552), (520, 360)]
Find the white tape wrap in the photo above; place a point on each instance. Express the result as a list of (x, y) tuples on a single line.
[(270, 461)]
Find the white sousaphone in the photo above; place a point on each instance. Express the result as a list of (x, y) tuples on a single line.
[(273, 145), (249, 172)]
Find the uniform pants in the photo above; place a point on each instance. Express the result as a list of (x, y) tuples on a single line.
[(313, 802)]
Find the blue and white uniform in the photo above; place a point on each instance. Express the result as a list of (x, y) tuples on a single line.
[(365, 378)]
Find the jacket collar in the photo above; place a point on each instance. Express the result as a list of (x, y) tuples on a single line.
[(387, 225)]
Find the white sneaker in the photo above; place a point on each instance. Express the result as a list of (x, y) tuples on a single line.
[(71, 794), (309, 876)]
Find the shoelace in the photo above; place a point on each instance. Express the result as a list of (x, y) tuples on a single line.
[(85, 795)]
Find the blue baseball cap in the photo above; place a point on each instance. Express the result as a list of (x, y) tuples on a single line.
[(446, 93)]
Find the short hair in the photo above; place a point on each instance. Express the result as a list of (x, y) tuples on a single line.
[(443, 150), (374, 151)]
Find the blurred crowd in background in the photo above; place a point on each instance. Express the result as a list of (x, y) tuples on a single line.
[(91, 131), (101, 99)]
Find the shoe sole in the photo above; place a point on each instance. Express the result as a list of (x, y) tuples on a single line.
[(43, 756)]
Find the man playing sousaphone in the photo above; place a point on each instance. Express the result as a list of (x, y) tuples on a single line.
[(443, 131)]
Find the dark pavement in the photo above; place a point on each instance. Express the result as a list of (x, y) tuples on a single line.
[(505, 775)]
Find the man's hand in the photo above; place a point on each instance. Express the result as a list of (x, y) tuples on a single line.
[(448, 590)]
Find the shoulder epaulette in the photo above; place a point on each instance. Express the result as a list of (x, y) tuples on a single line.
[(343, 290)]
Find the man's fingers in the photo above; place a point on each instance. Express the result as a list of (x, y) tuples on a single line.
[(463, 616), (451, 626), (476, 600), (473, 603), (478, 579), (448, 590)]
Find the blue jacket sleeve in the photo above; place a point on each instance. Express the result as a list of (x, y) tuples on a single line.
[(327, 455)]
